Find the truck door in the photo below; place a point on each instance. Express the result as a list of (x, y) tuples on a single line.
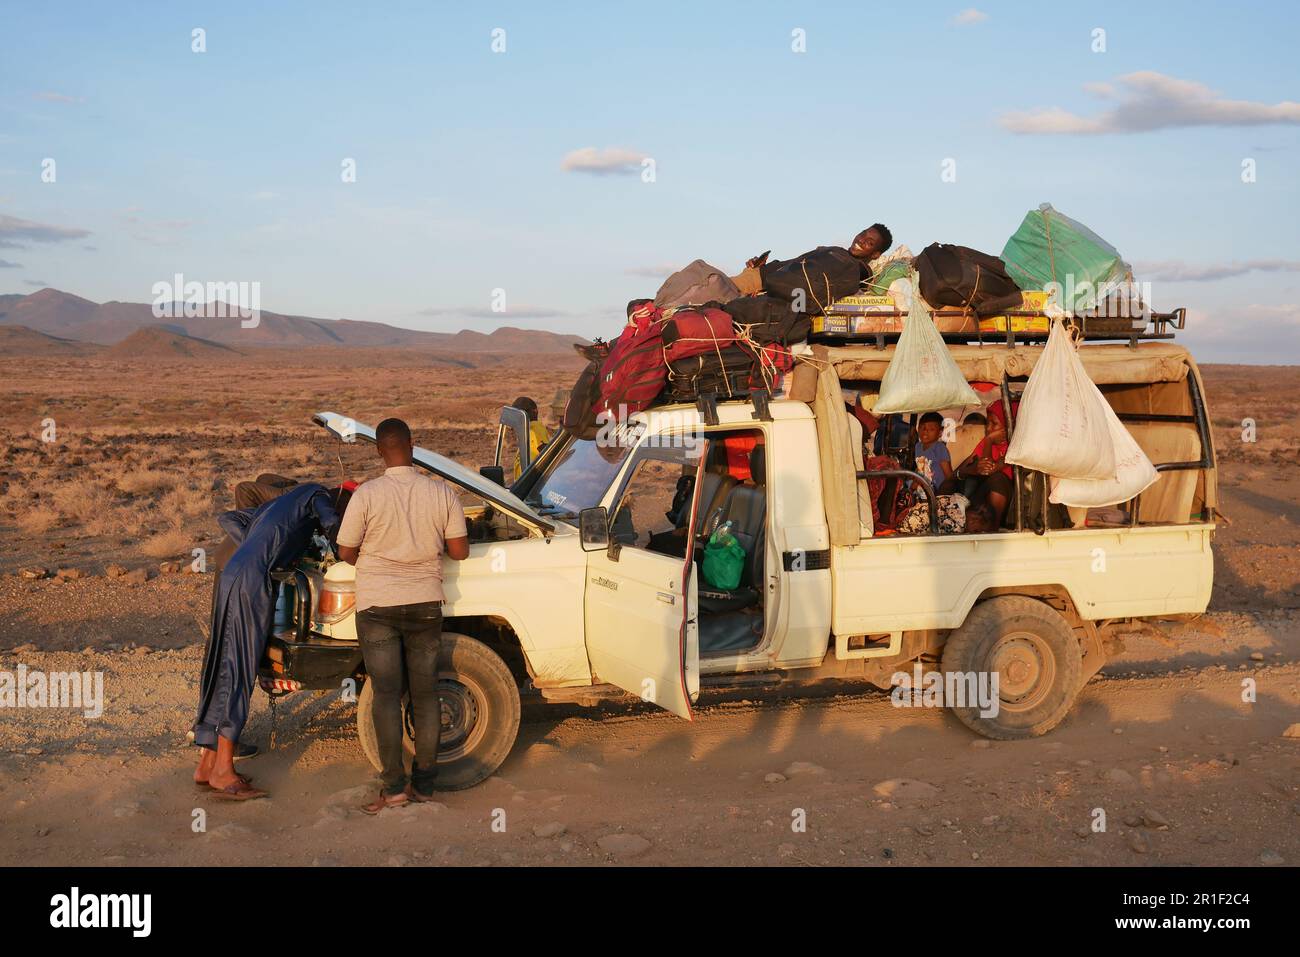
[(642, 631)]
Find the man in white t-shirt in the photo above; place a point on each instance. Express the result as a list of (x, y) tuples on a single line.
[(395, 531)]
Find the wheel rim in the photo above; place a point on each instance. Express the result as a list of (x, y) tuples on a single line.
[(1025, 667), (464, 717)]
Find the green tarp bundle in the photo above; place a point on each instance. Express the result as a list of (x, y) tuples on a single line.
[(1050, 247)]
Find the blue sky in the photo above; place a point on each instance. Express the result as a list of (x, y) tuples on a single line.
[(225, 165)]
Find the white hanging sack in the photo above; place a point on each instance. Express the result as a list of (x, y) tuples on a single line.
[(1061, 428), (922, 376), (1133, 473)]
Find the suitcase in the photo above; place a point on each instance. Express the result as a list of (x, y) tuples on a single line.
[(726, 375)]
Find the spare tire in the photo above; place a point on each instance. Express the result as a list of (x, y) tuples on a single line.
[(480, 714)]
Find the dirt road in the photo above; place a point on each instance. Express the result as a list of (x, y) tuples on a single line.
[(1183, 769)]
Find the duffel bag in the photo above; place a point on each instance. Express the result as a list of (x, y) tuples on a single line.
[(633, 373), (815, 279), (698, 282), (769, 319), (690, 332), (967, 278)]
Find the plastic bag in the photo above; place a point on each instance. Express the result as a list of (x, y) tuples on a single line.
[(1050, 247), (1133, 473), (922, 376), (1062, 428), (724, 559)]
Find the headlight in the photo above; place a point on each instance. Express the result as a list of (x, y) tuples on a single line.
[(334, 602)]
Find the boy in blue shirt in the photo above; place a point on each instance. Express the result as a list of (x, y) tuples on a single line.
[(932, 458)]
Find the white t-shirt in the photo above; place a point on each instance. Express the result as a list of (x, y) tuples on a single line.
[(401, 521)]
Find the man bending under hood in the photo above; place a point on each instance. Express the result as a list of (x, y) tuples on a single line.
[(271, 536)]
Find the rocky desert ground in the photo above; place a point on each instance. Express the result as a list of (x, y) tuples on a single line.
[(145, 450)]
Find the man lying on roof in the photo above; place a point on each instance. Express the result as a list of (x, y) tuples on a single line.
[(867, 245)]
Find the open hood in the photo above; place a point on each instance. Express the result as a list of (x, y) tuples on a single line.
[(349, 429)]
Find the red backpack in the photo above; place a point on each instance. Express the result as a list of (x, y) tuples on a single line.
[(695, 331), (634, 372)]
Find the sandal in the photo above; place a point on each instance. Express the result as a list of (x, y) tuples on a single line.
[(204, 785), (239, 791), (383, 801)]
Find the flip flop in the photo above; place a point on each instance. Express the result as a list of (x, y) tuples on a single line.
[(247, 751), (240, 791), (204, 785), (384, 801)]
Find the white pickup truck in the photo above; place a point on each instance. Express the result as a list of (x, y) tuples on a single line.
[(583, 579)]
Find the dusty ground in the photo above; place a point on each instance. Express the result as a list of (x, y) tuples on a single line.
[(1185, 771)]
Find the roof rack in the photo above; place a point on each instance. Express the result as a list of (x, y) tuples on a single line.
[(1152, 325)]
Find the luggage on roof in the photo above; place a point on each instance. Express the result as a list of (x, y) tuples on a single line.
[(1050, 247), (966, 278), (817, 278), (697, 283)]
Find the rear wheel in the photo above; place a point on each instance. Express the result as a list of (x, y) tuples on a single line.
[(1037, 660), (480, 714)]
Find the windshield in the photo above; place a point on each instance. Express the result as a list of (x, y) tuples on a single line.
[(577, 478)]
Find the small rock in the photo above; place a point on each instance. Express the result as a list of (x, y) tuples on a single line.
[(398, 860), (785, 850), (32, 573), (1270, 858), (127, 810), (804, 767), (776, 777), (24, 649), (115, 571), (140, 650), (169, 568), (1137, 842), (68, 574), (905, 789), (1257, 656), (553, 829), (42, 832), (137, 577), (1119, 777), (1153, 818), (623, 845), (1292, 732)]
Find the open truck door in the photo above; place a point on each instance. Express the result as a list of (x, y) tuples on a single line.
[(641, 603)]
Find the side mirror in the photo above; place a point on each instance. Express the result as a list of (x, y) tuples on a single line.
[(593, 528), (494, 473)]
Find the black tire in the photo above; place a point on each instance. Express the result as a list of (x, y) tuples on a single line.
[(1036, 655), (480, 709)]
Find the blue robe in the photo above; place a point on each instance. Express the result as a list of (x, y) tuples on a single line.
[(243, 610)]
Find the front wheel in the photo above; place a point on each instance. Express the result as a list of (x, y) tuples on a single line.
[(1034, 654), (480, 714)]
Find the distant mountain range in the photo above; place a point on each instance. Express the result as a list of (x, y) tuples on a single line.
[(66, 317)]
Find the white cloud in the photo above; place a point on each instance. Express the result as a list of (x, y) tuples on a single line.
[(1178, 271), (1152, 101), (6, 264), (15, 233), (610, 161), (968, 17)]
